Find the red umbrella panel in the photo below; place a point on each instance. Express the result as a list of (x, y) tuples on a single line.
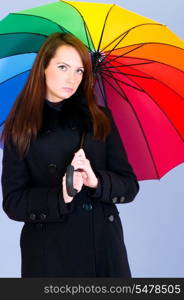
[(148, 107)]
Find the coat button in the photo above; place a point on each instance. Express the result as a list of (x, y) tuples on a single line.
[(49, 131), (43, 217), (87, 206), (52, 168), (114, 200), (73, 127), (32, 217), (122, 199), (111, 218)]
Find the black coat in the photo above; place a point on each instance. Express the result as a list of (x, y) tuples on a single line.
[(83, 238)]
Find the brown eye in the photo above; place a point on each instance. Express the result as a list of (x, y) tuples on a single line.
[(80, 71), (62, 67)]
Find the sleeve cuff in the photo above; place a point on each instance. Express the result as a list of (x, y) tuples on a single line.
[(95, 192), (64, 208)]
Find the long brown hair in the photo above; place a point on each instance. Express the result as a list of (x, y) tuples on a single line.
[(25, 118)]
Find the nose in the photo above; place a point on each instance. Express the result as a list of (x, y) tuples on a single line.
[(71, 77)]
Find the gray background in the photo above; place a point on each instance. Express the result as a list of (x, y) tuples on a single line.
[(153, 224)]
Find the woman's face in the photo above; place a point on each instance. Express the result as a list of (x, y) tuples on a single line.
[(63, 74)]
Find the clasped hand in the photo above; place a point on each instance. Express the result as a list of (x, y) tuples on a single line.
[(83, 174), (82, 165)]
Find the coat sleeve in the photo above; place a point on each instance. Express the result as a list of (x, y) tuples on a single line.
[(24, 202), (117, 183)]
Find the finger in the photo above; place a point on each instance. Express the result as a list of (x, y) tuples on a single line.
[(79, 164), (84, 175), (78, 170), (80, 167), (77, 173), (80, 152), (77, 181), (80, 159), (76, 158)]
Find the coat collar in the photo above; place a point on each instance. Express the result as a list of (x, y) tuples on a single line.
[(72, 112)]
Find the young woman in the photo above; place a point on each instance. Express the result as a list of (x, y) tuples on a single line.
[(65, 236)]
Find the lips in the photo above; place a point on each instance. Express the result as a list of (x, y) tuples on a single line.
[(67, 89)]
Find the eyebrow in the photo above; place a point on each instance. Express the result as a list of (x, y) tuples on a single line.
[(62, 62)]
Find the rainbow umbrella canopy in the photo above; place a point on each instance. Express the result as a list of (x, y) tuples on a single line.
[(138, 65)]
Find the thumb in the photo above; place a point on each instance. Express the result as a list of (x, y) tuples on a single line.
[(84, 175), (81, 152)]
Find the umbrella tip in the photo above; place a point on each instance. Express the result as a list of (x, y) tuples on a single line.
[(96, 58)]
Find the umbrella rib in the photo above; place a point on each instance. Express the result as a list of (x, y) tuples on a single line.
[(148, 62), (102, 91), (105, 95), (125, 83), (118, 56), (122, 94), (39, 17), (153, 78), (14, 76), (12, 33), (14, 54), (145, 43), (165, 83), (85, 25), (124, 34), (105, 21), (86, 30), (126, 65), (160, 109), (139, 76), (139, 89), (143, 132), (116, 81), (61, 27), (139, 46), (159, 62), (22, 32)]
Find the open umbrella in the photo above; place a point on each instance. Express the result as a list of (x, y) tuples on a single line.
[(139, 69)]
